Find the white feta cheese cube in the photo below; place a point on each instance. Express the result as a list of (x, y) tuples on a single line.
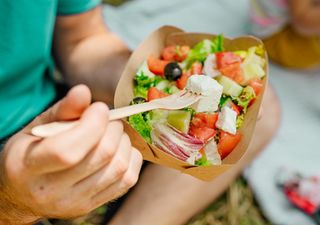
[(212, 153), (227, 120), (210, 66), (210, 90)]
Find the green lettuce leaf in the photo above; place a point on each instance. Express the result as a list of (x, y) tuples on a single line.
[(143, 83), (141, 125), (245, 97), (201, 50)]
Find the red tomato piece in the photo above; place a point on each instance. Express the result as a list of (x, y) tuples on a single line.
[(175, 53), (208, 120), (156, 65), (257, 85), (182, 53), (168, 53), (226, 58), (154, 93), (202, 133), (182, 81), (196, 68), (227, 142), (234, 72)]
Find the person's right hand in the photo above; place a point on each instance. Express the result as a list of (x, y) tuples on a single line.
[(72, 173)]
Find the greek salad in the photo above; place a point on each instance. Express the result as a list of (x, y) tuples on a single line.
[(207, 131)]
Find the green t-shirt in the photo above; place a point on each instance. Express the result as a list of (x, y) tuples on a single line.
[(26, 64)]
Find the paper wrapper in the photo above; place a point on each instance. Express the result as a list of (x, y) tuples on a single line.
[(153, 45)]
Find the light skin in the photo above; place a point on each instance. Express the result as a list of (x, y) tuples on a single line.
[(164, 196), (70, 174), (305, 16)]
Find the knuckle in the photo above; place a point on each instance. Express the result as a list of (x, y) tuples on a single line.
[(129, 180), (60, 154), (107, 150), (120, 167), (118, 124)]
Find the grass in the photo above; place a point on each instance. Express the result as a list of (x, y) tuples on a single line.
[(235, 207)]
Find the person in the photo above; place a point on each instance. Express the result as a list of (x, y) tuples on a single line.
[(72, 173), (290, 30), (54, 177)]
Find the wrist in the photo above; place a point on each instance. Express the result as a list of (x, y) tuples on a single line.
[(11, 212)]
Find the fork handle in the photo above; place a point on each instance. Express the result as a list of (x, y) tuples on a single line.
[(54, 128)]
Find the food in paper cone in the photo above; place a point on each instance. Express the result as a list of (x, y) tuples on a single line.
[(206, 132), (197, 151)]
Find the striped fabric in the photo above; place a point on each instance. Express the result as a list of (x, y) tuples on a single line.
[(268, 16)]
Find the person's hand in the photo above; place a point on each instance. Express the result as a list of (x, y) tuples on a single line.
[(69, 174)]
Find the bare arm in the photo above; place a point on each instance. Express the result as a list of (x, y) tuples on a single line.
[(86, 52), (305, 16)]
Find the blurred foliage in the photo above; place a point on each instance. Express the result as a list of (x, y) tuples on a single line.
[(114, 2), (235, 207)]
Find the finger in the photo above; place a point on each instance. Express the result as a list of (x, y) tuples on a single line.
[(122, 186), (98, 158), (67, 149), (70, 107), (110, 173)]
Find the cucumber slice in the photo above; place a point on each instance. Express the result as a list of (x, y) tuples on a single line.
[(163, 85), (174, 89), (180, 120), (252, 70), (159, 116), (230, 87)]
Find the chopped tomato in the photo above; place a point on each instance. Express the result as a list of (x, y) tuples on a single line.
[(182, 81), (227, 58), (182, 53), (156, 65), (207, 120), (175, 53), (227, 142), (234, 72), (196, 68), (154, 93), (168, 53), (202, 133), (203, 126), (257, 85)]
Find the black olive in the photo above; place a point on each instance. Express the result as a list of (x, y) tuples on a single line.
[(172, 71), (137, 100)]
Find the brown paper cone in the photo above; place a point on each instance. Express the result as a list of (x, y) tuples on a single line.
[(153, 45)]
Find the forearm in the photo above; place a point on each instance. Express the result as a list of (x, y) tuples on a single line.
[(11, 213), (97, 61)]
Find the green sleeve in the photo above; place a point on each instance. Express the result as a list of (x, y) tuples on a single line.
[(67, 7)]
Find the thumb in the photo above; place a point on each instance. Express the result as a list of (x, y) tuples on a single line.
[(69, 108)]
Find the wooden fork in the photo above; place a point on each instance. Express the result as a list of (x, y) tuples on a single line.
[(176, 101)]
